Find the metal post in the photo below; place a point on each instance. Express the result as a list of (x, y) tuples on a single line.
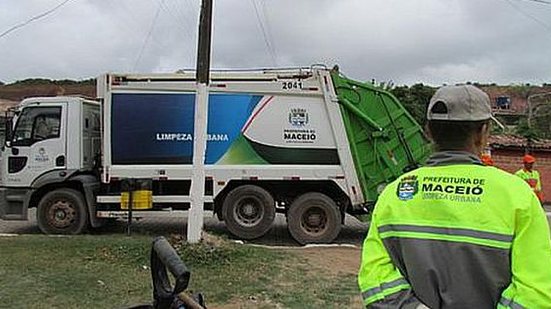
[(197, 190), (130, 205)]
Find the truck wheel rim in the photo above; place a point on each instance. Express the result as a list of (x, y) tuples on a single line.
[(314, 221), (61, 214), (249, 212)]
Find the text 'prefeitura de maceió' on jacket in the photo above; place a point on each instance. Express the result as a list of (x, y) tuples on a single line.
[(459, 189)]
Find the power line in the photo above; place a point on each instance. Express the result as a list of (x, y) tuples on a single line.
[(187, 27), (268, 28), (541, 23), (34, 18), (129, 20), (540, 1), (123, 20), (271, 50), (148, 34), (174, 13)]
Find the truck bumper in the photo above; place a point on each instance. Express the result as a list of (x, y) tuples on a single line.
[(14, 203)]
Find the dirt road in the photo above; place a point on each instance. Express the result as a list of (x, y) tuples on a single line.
[(352, 233)]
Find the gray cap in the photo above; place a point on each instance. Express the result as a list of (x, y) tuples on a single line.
[(459, 103)]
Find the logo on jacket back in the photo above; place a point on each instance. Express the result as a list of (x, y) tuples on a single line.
[(407, 188)]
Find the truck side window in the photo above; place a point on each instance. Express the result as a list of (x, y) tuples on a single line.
[(36, 124)]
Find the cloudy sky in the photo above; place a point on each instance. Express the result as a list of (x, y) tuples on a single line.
[(430, 41)]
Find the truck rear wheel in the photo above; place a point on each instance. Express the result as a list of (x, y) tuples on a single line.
[(62, 211), (314, 218), (249, 211)]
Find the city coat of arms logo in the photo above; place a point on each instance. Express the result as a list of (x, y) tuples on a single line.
[(298, 117), (407, 188)]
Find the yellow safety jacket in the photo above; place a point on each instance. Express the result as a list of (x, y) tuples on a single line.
[(457, 234), (533, 180)]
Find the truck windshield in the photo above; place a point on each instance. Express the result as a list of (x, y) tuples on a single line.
[(35, 124)]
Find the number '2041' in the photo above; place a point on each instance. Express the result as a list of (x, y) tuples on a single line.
[(291, 85)]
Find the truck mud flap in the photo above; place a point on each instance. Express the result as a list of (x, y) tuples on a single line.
[(14, 203)]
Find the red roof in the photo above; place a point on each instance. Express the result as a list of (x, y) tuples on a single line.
[(516, 142)]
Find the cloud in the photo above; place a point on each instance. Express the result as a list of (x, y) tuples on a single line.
[(427, 41)]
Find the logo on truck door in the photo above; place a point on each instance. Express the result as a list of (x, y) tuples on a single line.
[(41, 156)]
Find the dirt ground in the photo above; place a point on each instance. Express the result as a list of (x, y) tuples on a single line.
[(338, 261)]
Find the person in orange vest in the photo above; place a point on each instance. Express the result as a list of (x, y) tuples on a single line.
[(487, 159), (530, 175)]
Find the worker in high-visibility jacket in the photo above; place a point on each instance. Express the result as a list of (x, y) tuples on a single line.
[(456, 233), (486, 159), (530, 175)]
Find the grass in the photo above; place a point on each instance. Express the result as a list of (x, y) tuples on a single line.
[(73, 272), (107, 271)]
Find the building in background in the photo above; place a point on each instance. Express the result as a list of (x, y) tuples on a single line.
[(508, 150)]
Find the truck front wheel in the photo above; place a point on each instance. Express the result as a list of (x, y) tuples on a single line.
[(314, 218), (249, 211), (62, 211)]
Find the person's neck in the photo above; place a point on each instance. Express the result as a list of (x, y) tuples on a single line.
[(472, 149)]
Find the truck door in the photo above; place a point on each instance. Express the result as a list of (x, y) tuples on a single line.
[(37, 144)]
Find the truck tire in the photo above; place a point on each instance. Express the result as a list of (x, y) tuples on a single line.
[(249, 211), (314, 218), (62, 211)]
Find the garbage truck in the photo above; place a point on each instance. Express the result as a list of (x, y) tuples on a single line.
[(306, 142)]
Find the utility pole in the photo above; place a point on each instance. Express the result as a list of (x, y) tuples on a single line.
[(197, 190)]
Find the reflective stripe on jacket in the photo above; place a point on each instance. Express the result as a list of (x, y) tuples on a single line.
[(457, 234)]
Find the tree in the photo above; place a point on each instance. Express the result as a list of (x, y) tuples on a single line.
[(541, 121), (524, 130), (415, 99)]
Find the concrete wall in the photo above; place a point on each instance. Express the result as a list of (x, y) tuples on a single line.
[(511, 161)]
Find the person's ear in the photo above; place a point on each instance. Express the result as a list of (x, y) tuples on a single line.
[(485, 134), (486, 130), (482, 136)]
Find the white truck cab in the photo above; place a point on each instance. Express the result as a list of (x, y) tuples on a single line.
[(49, 141)]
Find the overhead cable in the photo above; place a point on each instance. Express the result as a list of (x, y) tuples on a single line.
[(268, 27), (269, 46), (148, 34), (540, 1), (34, 18), (540, 22)]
